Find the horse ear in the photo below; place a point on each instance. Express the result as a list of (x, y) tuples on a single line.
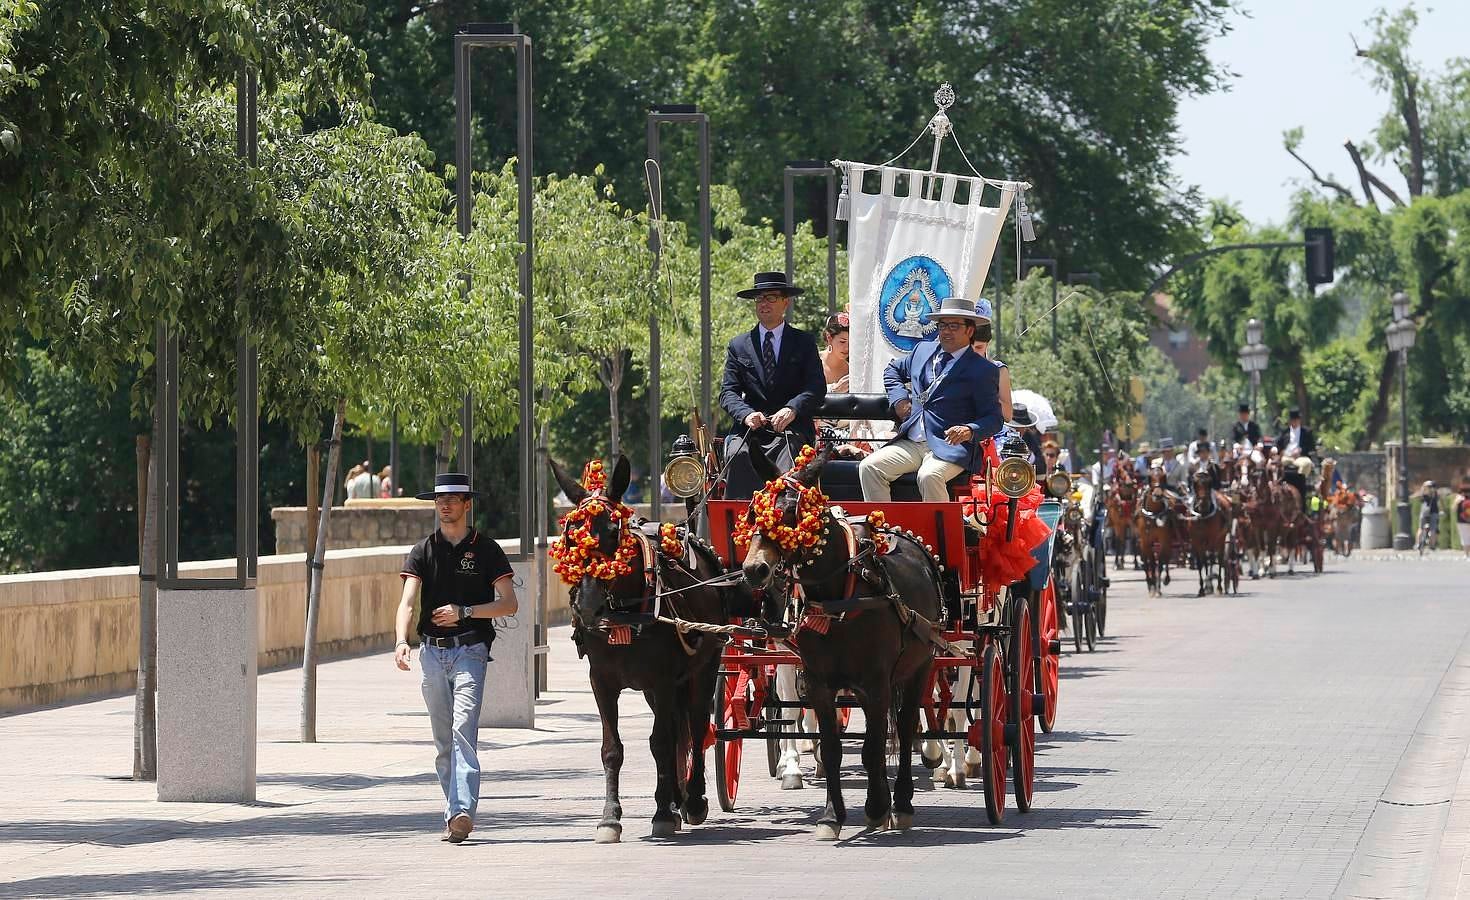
[(622, 473), (569, 485), (808, 476), (765, 470)]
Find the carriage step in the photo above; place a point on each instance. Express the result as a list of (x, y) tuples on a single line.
[(1054, 647)]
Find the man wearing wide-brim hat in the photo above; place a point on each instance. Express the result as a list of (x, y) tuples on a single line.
[(946, 400), (462, 582), (772, 385)]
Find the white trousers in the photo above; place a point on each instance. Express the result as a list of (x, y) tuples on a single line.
[(878, 471)]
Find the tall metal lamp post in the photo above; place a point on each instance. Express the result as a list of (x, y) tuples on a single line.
[(1254, 356), (1401, 333)]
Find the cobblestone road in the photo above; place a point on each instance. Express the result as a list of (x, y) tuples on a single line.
[(1226, 747)]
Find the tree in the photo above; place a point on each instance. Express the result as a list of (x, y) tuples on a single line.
[(1102, 341), (1415, 237), (1059, 93)]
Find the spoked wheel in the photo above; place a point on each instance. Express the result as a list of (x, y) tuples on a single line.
[(1091, 622), (727, 750), (1100, 603), (989, 734), (1079, 603), (1319, 554), (1048, 656), (1023, 718)]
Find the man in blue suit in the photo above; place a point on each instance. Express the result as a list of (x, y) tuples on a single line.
[(946, 399), (772, 385)]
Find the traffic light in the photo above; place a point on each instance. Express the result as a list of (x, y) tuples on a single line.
[(1319, 256)]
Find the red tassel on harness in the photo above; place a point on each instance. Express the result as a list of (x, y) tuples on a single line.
[(620, 635), (817, 622)]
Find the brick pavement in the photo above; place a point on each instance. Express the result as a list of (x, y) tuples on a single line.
[(1224, 747)]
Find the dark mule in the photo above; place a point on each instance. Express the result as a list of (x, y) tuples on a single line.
[(877, 650), (675, 673)]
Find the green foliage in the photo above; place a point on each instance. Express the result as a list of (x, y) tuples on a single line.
[(1060, 93), (1102, 340), (1337, 379)]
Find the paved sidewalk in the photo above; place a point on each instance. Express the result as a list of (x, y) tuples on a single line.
[(1231, 747)]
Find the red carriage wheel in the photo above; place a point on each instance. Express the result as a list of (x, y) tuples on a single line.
[(1048, 655), (727, 750), (989, 733), (1022, 715)]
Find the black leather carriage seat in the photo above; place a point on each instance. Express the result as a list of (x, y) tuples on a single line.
[(840, 476)]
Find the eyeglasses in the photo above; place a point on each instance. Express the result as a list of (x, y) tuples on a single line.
[(951, 326), (1050, 455)]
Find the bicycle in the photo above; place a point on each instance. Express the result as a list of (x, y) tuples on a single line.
[(1428, 536)]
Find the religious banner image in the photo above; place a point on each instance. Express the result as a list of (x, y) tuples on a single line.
[(910, 245)]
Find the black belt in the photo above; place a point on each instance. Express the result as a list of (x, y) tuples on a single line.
[(457, 640)]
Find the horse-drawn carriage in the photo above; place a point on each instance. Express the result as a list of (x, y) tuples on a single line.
[(994, 673)]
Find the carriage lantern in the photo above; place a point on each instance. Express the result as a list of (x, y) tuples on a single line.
[(1059, 485), (684, 473), (1015, 474)]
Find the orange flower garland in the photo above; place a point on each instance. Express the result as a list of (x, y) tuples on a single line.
[(575, 552), (668, 541), (765, 518), (876, 523)]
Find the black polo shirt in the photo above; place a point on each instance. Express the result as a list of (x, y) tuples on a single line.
[(463, 574)]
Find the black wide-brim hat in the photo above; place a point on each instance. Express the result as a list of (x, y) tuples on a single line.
[(1021, 417), (449, 483), (770, 281)]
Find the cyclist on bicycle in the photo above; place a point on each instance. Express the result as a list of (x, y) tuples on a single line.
[(1429, 514)]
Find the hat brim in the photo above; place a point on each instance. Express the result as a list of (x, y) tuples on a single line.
[(430, 495), (754, 293), (1021, 424), (926, 318)]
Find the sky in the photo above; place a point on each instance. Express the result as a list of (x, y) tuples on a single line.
[(1295, 65)]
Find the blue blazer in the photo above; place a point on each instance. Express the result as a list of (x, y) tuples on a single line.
[(798, 381), (968, 395)]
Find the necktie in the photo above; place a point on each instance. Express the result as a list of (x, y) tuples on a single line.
[(940, 362), (768, 356)]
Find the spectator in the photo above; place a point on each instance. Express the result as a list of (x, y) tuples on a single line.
[(1461, 514), (385, 483)]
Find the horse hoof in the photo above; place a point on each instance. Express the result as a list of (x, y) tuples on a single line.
[(665, 828), (932, 763), (609, 834), (821, 770), (903, 821), (696, 812), (828, 832), (791, 783), (973, 770), (879, 824)]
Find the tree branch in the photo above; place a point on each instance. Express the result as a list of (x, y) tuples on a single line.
[(1370, 178), (1362, 174), (1325, 182), (1406, 85)]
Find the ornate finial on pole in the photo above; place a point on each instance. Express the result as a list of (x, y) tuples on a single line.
[(939, 125)]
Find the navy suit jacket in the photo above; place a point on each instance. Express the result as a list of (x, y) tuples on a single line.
[(798, 381), (968, 395)]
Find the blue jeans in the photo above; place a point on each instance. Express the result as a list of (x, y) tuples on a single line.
[(454, 684)]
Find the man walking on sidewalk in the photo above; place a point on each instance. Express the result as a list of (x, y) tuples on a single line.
[(462, 581)]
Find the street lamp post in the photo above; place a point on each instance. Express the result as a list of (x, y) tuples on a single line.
[(1254, 356), (1051, 266), (1400, 334)]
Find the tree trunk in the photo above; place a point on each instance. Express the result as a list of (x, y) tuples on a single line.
[(1299, 387), (1378, 413), (610, 371), (313, 498), (314, 585), (441, 453), (145, 705)]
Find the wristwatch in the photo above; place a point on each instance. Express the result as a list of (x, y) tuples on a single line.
[(465, 612)]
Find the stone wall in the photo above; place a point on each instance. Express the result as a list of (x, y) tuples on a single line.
[(1444, 464), (73, 635), (1363, 470), (361, 523)]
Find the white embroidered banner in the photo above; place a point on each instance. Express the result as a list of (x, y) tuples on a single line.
[(909, 246)]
